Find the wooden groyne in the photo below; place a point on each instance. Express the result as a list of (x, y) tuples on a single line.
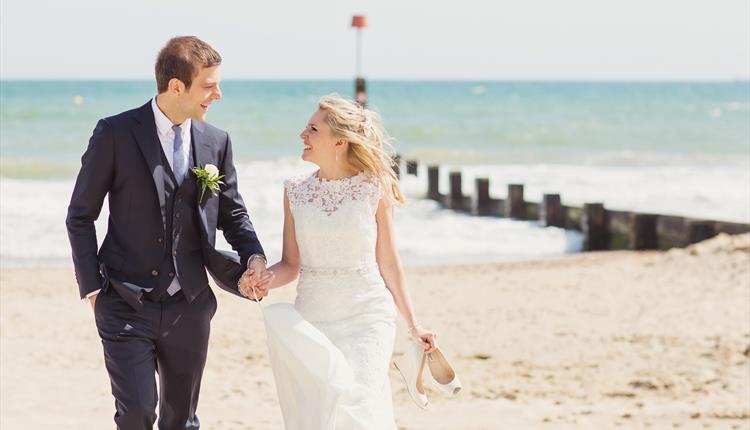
[(602, 228)]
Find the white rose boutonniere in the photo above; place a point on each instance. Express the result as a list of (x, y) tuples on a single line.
[(209, 178)]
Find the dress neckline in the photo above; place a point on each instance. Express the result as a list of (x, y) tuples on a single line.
[(323, 180)]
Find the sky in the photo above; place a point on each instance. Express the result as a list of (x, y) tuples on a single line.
[(406, 39)]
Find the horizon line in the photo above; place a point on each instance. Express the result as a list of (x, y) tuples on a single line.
[(395, 79)]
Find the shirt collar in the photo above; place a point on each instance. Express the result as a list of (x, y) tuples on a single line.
[(164, 124)]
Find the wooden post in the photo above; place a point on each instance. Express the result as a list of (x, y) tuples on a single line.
[(698, 230), (552, 213), (397, 165), (456, 193), (594, 223), (671, 231), (618, 229), (515, 207), (642, 232), (573, 216), (360, 90), (411, 167), (533, 210), (731, 227), (483, 200), (433, 183)]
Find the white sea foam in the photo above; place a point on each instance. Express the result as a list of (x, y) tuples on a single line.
[(32, 212), (32, 223)]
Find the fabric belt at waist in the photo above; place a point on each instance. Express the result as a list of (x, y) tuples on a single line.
[(335, 271)]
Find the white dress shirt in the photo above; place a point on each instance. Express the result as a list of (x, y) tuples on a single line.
[(166, 138), (166, 134)]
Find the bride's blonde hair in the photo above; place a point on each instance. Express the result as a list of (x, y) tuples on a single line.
[(368, 140)]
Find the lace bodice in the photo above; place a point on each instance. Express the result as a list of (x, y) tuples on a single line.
[(334, 220)]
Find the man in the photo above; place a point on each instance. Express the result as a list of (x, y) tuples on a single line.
[(147, 283)]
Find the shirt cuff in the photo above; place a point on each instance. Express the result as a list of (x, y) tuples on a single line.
[(93, 293), (254, 256)]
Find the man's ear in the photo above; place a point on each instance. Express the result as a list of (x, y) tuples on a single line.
[(175, 86)]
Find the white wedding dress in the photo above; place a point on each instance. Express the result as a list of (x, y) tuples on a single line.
[(330, 351)]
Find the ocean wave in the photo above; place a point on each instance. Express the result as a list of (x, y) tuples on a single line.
[(32, 211)]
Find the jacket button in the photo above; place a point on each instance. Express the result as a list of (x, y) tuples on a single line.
[(154, 273), (177, 215), (174, 253), (171, 274), (160, 239)]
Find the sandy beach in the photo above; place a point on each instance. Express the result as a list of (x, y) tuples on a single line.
[(590, 341)]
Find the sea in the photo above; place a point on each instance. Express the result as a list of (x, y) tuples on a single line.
[(678, 148)]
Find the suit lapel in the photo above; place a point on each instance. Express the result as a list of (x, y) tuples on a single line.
[(202, 150), (201, 146), (148, 142)]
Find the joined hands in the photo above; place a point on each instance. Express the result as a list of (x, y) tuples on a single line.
[(256, 280)]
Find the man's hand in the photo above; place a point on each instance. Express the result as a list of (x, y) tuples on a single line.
[(252, 284), (92, 300), (256, 265), (256, 279)]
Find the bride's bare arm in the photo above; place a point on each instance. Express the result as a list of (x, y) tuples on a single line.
[(287, 269), (392, 272)]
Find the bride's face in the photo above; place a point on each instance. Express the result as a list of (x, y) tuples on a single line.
[(319, 143)]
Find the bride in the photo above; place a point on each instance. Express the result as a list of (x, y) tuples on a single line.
[(339, 240)]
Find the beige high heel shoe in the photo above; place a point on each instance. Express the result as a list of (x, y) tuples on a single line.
[(441, 373), (410, 366)]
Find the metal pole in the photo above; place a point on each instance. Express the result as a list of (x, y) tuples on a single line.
[(359, 52)]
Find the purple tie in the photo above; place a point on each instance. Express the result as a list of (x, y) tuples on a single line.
[(179, 166)]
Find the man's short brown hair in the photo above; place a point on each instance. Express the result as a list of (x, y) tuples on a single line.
[(182, 58)]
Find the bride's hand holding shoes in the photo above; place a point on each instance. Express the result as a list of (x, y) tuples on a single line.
[(425, 338)]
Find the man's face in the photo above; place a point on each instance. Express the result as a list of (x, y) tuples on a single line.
[(204, 90)]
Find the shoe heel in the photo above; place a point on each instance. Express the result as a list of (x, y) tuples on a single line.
[(410, 367)]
